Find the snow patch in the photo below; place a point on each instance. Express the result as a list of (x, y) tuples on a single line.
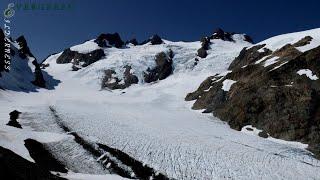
[(86, 47), (270, 61), (308, 73), (227, 84)]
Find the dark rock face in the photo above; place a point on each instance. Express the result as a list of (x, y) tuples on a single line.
[(155, 39), (247, 56), (304, 41), (129, 78), (106, 40), (24, 51), (202, 53), (15, 167), (111, 81), (220, 34), (248, 39), (80, 60), (274, 98), (38, 76), (133, 41), (162, 70), (14, 115)]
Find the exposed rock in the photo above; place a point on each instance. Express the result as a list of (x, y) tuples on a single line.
[(38, 76), (129, 78), (263, 134), (205, 43), (163, 68), (66, 56), (44, 65), (248, 38), (14, 115), (288, 51), (111, 81), (273, 98), (24, 52), (248, 56), (220, 34), (304, 41), (80, 60), (15, 167), (132, 41), (154, 40), (107, 40), (202, 53)]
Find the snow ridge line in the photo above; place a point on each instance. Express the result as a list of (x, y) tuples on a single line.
[(117, 161)]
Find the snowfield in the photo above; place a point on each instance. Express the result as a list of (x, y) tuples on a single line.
[(152, 122)]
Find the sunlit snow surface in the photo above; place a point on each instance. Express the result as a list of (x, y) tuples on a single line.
[(153, 123)]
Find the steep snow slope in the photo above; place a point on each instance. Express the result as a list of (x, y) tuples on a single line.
[(153, 123), (21, 74), (277, 42)]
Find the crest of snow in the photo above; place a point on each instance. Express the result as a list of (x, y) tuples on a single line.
[(279, 65), (308, 73), (262, 59), (277, 42), (86, 47), (227, 84), (256, 131), (270, 61)]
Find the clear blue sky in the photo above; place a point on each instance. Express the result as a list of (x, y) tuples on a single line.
[(52, 31)]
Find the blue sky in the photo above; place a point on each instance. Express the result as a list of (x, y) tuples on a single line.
[(52, 31)]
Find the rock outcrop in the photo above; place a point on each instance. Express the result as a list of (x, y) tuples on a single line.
[(277, 92), (154, 40), (80, 60), (108, 40), (112, 81), (24, 53), (163, 68)]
